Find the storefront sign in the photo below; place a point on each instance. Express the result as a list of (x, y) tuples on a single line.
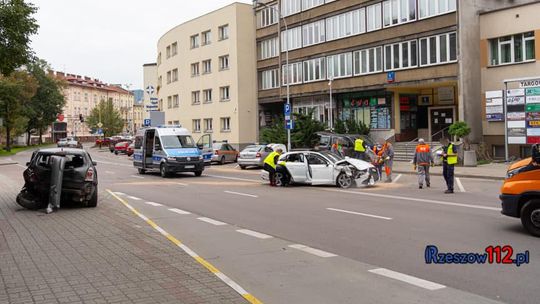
[(533, 116), (529, 83), (533, 91), (494, 94), (446, 95), (533, 107), (531, 140), (516, 92), (494, 102), (494, 110), (494, 106), (495, 117), (533, 132), (517, 132), (517, 100), (517, 140), (533, 99), (533, 124), (514, 116), (516, 124)]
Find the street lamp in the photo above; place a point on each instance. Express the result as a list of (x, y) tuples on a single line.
[(255, 5), (331, 111)]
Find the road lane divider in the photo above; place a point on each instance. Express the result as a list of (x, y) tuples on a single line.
[(179, 211), (317, 252), (460, 185), (421, 200), (235, 286), (407, 279), (135, 176), (133, 198), (397, 178), (211, 221), (154, 204), (119, 193), (254, 234), (359, 213), (241, 194)]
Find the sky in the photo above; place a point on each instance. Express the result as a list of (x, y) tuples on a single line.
[(109, 39)]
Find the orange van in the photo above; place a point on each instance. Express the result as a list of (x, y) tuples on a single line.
[(520, 194)]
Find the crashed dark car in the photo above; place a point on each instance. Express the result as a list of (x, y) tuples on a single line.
[(77, 177)]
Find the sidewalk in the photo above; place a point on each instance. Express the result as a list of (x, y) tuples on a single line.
[(489, 171), (100, 255), (4, 161)]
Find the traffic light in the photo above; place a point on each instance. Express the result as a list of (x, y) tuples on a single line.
[(81, 118)]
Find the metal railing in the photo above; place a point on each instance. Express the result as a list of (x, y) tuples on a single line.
[(412, 142)]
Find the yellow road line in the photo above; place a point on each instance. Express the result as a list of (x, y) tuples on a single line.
[(249, 297)]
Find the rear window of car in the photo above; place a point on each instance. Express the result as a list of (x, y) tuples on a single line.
[(72, 160), (253, 148)]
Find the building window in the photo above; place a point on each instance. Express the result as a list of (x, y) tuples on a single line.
[(223, 32), (195, 69), (196, 123), (169, 77), (224, 93), (159, 59), (195, 97), (512, 49), (438, 49), (208, 125), (174, 49), (368, 61), (207, 95), (174, 75), (313, 33), (314, 70), (194, 41), (269, 79), (430, 8), (308, 4), (292, 74), (267, 16), (224, 62), (207, 66), (169, 102), (176, 122), (347, 24), (290, 7), (400, 55), (268, 48), (291, 39), (176, 101), (399, 11), (339, 66), (168, 52), (374, 21), (225, 124), (206, 38)]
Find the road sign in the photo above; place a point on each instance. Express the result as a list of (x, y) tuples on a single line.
[(150, 90), (287, 109), (60, 117), (147, 122), (99, 125), (390, 77), (289, 125), (100, 131)]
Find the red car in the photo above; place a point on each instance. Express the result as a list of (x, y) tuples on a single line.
[(121, 147), (103, 141), (130, 149)]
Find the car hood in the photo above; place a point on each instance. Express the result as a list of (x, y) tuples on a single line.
[(359, 164)]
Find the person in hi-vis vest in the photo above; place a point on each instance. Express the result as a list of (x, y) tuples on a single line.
[(450, 159), (360, 149), (270, 163)]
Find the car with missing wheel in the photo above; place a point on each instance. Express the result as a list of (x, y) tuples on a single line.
[(322, 168)]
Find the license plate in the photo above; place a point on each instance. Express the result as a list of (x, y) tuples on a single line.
[(189, 166)]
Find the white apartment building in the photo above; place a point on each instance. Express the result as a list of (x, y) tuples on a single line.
[(207, 79)]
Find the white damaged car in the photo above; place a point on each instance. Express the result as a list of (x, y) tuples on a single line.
[(322, 168)]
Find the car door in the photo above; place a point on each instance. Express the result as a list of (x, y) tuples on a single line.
[(297, 167), (228, 152), (321, 170), (233, 153), (205, 146)]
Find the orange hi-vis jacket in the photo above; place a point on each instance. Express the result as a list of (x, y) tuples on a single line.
[(422, 155)]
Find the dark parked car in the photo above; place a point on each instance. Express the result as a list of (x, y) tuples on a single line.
[(79, 182), (326, 139)]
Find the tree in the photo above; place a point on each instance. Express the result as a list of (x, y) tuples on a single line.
[(305, 130), (462, 130), (108, 116), (48, 101), (275, 133), (15, 92), (339, 127)]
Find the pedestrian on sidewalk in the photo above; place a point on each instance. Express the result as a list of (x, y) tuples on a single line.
[(450, 159), (360, 149), (423, 159), (270, 163), (388, 158)]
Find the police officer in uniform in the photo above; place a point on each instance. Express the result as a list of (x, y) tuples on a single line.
[(450, 159), (359, 149), (270, 163)]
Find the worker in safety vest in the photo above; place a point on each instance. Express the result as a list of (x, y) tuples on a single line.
[(359, 149), (388, 158), (450, 159), (377, 159), (270, 163), (422, 160)]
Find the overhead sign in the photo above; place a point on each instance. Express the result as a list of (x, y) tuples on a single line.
[(529, 83)]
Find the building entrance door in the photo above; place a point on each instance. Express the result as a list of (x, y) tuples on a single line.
[(408, 106), (440, 119)]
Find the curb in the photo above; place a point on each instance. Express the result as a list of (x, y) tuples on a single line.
[(497, 178), (9, 163)]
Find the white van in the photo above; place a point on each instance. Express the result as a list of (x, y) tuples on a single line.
[(169, 149)]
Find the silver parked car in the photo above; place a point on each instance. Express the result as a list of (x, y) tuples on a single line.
[(253, 155)]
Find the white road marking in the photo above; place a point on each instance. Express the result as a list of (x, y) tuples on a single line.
[(160, 230), (182, 184), (111, 163), (211, 221), (109, 172), (134, 198), (358, 213), (235, 178), (255, 234), (242, 194), (154, 204), (231, 283), (416, 199), (397, 178), (179, 211), (460, 185), (407, 279), (188, 251), (317, 252), (119, 193), (135, 176)]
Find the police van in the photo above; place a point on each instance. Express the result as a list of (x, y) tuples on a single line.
[(170, 149)]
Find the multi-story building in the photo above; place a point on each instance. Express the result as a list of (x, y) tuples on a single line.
[(405, 68), (207, 75), (138, 116), (83, 94), (510, 50)]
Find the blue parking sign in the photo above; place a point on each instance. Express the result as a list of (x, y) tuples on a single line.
[(287, 109), (289, 125), (147, 122)]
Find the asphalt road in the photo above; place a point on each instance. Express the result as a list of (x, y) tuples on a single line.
[(326, 245)]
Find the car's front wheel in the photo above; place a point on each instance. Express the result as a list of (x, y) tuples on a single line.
[(344, 181), (198, 173), (141, 171), (222, 161), (530, 217), (164, 171), (279, 179)]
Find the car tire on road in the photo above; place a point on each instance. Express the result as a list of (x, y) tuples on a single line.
[(141, 171), (115, 152), (344, 181), (163, 171), (198, 173), (530, 217), (279, 179), (92, 203), (222, 160), (243, 167)]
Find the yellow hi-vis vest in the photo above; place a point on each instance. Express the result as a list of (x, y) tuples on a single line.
[(270, 159), (452, 158), (359, 145)]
